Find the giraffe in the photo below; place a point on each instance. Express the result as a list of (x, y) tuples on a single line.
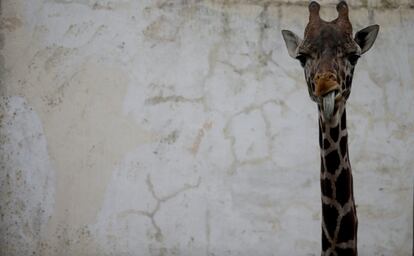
[(328, 53)]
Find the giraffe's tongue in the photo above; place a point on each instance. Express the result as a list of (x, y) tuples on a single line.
[(328, 105)]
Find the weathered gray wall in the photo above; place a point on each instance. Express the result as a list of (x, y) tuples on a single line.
[(184, 128)]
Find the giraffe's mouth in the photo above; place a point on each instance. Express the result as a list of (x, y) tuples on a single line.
[(328, 104)]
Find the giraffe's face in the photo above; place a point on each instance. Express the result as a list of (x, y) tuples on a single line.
[(328, 53)]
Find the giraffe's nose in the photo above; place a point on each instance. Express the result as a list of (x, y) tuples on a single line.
[(325, 82)]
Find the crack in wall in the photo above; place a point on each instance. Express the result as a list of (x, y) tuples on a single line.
[(260, 58), (159, 200), (236, 163), (97, 5), (172, 98)]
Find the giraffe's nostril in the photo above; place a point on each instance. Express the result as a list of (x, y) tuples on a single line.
[(332, 77), (327, 76)]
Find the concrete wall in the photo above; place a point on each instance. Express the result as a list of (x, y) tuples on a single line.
[(184, 128)]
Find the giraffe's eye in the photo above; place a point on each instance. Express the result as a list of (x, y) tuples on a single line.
[(302, 58), (353, 58)]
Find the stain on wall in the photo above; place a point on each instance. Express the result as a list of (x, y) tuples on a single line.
[(27, 179)]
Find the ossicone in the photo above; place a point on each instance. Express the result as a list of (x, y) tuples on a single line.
[(343, 17), (342, 9), (314, 8)]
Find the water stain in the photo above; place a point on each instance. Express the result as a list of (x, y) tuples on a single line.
[(24, 177), (3, 72), (86, 134), (162, 30), (100, 6), (77, 29), (57, 56), (2, 40), (171, 138), (10, 23), (200, 135), (97, 5), (388, 4)]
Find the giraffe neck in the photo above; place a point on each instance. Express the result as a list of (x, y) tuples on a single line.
[(339, 224)]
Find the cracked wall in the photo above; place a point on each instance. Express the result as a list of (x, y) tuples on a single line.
[(184, 128)]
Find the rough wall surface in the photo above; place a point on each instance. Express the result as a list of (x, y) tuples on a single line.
[(184, 128)]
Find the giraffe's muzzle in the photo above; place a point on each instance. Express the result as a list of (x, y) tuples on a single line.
[(325, 83), (327, 89)]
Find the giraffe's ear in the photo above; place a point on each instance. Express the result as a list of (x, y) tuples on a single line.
[(292, 42), (365, 38)]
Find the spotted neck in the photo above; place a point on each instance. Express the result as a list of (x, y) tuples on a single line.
[(339, 224)]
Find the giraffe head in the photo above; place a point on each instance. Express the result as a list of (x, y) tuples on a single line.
[(328, 53)]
